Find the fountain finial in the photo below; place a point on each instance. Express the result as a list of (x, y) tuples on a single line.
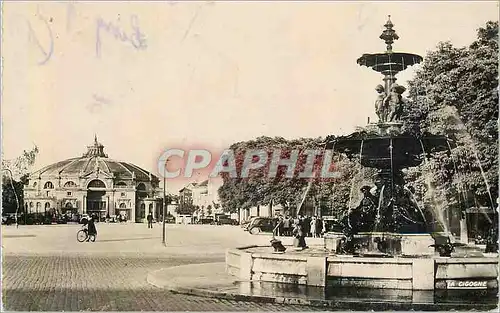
[(389, 34)]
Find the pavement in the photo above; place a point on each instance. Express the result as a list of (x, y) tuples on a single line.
[(44, 267)]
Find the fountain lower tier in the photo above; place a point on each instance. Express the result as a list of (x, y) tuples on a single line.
[(319, 267), (387, 150)]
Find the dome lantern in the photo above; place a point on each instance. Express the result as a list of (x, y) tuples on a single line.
[(95, 150)]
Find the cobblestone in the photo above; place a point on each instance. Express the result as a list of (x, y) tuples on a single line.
[(44, 269), (74, 283)]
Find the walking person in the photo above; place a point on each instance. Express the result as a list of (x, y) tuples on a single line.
[(287, 226), (319, 227), (313, 226), (150, 220)]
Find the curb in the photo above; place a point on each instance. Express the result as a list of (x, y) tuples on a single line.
[(340, 304)]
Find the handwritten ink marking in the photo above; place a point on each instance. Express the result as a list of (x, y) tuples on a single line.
[(191, 22), (32, 37), (137, 38)]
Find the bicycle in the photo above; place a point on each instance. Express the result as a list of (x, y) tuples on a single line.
[(83, 234)]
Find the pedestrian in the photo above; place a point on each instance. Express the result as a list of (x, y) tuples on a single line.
[(286, 226), (280, 226), (319, 227), (150, 220), (91, 229), (107, 217), (299, 235), (313, 225), (307, 226)]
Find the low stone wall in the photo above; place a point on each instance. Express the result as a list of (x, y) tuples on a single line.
[(280, 268), (455, 273), (406, 273)]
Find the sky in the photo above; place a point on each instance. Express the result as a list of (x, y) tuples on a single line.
[(146, 77)]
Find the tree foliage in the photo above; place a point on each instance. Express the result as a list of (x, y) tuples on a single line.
[(260, 189), (19, 167), (455, 94)]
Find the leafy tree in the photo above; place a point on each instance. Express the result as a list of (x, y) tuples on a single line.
[(186, 208), (13, 187), (455, 94), (259, 189)]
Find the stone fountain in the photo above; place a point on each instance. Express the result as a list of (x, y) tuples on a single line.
[(386, 242)]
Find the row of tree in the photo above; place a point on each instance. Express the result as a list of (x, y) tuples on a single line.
[(454, 93)]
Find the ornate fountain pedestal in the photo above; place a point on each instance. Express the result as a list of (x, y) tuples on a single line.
[(384, 244)]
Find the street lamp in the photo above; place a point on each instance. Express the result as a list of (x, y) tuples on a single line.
[(164, 201), (15, 194)]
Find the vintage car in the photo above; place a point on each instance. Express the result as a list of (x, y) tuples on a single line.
[(260, 224)]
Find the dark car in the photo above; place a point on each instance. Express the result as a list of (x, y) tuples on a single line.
[(260, 224), (9, 219), (61, 219), (226, 220), (206, 220), (169, 219)]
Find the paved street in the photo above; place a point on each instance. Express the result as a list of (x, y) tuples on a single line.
[(45, 268)]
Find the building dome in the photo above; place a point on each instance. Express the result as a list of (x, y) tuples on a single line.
[(93, 184), (94, 161)]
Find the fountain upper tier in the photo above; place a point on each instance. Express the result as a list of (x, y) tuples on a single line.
[(389, 63)]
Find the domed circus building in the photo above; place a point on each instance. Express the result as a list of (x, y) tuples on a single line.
[(94, 184)]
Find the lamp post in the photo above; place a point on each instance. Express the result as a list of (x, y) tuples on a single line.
[(164, 202), (15, 194)]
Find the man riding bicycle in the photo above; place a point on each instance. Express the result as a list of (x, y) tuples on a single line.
[(91, 229)]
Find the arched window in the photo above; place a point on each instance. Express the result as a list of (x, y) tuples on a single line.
[(69, 205), (70, 184), (143, 210), (141, 187), (48, 185), (38, 206), (150, 208), (35, 184), (47, 205), (123, 206), (121, 184), (96, 183)]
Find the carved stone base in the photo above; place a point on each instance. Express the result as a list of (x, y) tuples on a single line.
[(383, 244), (384, 129)]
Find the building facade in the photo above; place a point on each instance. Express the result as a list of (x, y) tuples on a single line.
[(94, 184)]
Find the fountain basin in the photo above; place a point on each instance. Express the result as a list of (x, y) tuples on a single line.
[(318, 267)]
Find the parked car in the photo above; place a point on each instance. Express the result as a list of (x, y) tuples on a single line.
[(260, 224), (170, 219), (245, 223), (113, 219), (225, 220), (61, 219), (207, 220), (9, 218)]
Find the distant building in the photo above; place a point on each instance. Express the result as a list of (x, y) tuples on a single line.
[(200, 195), (94, 184)]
